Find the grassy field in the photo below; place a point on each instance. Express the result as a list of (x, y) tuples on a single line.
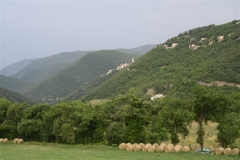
[(52, 151), (41, 151)]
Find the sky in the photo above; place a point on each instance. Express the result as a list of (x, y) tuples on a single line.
[(35, 29)]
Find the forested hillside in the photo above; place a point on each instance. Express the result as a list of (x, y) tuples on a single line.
[(14, 97), (40, 69), (15, 67), (13, 84), (202, 55), (85, 70)]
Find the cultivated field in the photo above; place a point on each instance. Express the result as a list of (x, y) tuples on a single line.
[(41, 151)]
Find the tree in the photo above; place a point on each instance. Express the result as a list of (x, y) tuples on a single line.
[(127, 115), (208, 104), (229, 129), (13, 117), (176, 116), (31, 122), (4, 106)]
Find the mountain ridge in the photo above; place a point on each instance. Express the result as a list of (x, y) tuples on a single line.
[(83, 71)]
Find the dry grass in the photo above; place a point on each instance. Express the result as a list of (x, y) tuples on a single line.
[(209, 137)]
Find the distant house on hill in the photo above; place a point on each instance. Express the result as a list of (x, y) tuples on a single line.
[(157, 96), (120, 67)]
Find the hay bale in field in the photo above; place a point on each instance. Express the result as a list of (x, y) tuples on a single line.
[(171, 145), (141, 144), (122, 146), (219, 151), (185, 149), (5, 140), (137, 148), (20, 141), (1, 140), (179, 146), (163, 145), (176, 149), (130, 148), (160, 149), (145, 147), (155, 145), (148, 144), (126, 145), (151, 148), (168, 149), (235, 151), (15, 140), (135, 144), (227, 151)]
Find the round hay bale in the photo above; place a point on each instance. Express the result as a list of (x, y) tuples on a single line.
[(15, 140), (122, 146), (171, 145), (160, 149), (235, 151), (219, 151), (1, 140), (137, 148), (126, 145), (135, 144), (185, 149), (145, 148), (227, 151), (5, 140), (141, 144), (130, 148), (163, 145), (148, 144), (151, 149), (179, 146), (176, 149), (155, 145), (20, 141), (168, 149)]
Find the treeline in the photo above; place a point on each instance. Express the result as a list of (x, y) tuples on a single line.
[(127, 118)]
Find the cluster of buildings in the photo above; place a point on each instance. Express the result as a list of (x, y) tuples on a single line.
[(118, 68)]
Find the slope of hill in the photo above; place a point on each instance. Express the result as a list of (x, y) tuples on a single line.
[(14, 97), (43, 68), (139, 50), (85, 70), (13, 84), (38, 70), (15, 67), (205, 54)]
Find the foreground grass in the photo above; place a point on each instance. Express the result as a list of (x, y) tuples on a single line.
[(41, 151)]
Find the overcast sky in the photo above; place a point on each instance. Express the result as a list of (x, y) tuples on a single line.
[(33, 29)]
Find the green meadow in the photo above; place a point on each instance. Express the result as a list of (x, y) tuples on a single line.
[(50, 151)]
